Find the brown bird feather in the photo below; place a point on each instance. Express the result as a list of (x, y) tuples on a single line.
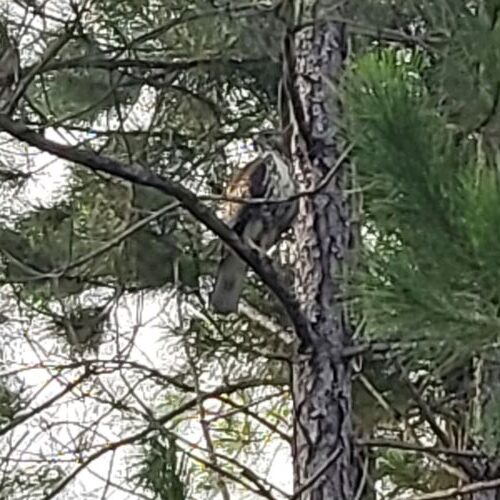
[(259, 225)]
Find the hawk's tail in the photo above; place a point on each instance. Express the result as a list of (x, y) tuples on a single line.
[(229, 284)]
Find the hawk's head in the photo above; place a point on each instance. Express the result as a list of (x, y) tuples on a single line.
[(273, 140)]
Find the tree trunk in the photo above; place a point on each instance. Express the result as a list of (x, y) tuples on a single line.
[(323, 451), (472, 384), (485, 405), (486, 495)]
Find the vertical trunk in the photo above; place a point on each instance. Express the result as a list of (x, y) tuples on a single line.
[(485, 407), (486, 495), (323, 454), (472, 385)]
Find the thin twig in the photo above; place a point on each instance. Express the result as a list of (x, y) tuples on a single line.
[(51, 52), (456, 492), (418, 448)]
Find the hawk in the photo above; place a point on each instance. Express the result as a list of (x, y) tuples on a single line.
[(259, 225)]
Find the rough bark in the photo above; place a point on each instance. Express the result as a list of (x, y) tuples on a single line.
[(486, 378), (486, 495), (323, 452)]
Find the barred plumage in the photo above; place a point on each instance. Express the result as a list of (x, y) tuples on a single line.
[(259, 225)]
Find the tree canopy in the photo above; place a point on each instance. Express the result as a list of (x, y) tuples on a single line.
[(116, 378)]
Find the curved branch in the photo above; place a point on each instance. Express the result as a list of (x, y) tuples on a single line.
[(138, 174)]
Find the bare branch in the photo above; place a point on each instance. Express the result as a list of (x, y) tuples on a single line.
[(417, 448), (456, 492)]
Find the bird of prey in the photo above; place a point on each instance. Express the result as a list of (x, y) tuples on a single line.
[(258, 225)]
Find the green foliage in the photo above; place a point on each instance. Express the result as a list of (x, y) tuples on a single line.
[(83, 328), (465, 69), (407, 471), (424, 127), (77, 89), (163, 470), (11, 401), (490, 424), (209, 78), (432, 204), (170, 85), (95, 219)]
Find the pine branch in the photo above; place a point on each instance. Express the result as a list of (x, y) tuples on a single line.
[(153, 426), (151, 64), (47, 404), (246, 10), (429, 417), (50, 53)]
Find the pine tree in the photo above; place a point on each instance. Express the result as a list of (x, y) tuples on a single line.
[(423, 123), (116, 376), (323, 449)]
